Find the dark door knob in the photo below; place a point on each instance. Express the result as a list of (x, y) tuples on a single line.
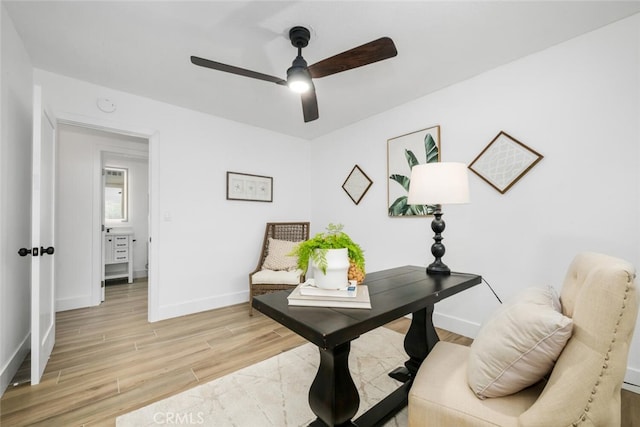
[(48, 251), (24, 251)]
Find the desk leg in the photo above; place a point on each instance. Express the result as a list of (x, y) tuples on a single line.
[(333, 396), (419, 341)]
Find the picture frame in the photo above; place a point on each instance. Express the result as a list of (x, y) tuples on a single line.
[(357, 184), (404, 152), (244, 186), (504, 161)]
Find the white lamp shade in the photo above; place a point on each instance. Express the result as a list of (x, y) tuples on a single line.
[(439, 183)]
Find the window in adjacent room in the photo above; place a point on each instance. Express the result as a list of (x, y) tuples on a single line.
[(115, 195)]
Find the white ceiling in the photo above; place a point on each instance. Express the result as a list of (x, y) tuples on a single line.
[(143, 47)]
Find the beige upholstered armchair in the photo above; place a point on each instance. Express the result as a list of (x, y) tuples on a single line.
[(583, 388), (276, 270)]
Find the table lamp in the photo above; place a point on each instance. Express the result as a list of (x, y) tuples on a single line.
[(438, 184)]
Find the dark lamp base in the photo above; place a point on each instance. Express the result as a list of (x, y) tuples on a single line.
[(438, 269)]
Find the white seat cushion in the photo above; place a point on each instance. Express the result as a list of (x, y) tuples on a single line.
[(272, 277)]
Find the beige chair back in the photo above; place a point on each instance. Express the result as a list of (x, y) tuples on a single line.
[(599, 293)]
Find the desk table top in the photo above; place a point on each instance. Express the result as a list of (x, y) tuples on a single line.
[(394, 293)]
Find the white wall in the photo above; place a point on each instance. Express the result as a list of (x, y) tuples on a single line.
[(16, 88), (577, 104), (78, 184), (205, 245)]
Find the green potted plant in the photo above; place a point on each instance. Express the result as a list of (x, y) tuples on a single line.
[(327, 252)]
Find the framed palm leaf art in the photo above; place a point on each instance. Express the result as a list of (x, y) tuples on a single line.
[(403, 153)]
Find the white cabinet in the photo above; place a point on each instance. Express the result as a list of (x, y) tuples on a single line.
[(118, 256)]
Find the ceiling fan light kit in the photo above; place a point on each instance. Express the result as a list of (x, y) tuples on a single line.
[(298, 82), (300, 76)]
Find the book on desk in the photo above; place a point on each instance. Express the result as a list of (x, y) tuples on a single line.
[(309, 296)]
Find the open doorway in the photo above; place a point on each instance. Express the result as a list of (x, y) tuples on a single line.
[(125, 210), (82, 153)]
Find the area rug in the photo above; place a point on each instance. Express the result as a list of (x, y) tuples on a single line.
[(274, 392)]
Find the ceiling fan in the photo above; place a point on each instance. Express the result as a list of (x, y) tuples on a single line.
[(299, 75)]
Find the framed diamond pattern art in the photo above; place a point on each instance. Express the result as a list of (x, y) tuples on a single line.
[(504, 161), (357, 184)]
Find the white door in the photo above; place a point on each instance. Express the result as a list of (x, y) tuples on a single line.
[(103, 236), (43, 315)]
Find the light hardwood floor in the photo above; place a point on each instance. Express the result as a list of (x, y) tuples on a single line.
[(108, 360)]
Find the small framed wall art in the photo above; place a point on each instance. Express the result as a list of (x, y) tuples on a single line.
[(504, 161), (357, 184), (243, 186)]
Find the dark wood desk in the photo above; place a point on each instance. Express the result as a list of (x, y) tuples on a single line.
[(394, 293)]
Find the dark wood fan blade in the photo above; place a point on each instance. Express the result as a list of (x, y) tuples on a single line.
[(368, 53), (236, 70), (310, 105)]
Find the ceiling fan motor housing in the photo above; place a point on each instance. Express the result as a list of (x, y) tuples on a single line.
[(299, 37), (298, 63)]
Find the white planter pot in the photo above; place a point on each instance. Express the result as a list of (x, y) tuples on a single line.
[(337, 270)]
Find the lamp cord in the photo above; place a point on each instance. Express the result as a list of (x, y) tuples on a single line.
[(494, 292)]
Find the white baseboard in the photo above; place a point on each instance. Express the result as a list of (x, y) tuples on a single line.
[(73, 303), (632, 380), (631, 387), (11, 367), (137, 274), (196, 306), (456, 325)]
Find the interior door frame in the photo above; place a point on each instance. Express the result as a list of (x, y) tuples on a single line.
[(153, 269)]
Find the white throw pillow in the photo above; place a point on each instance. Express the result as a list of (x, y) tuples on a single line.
[(519, 344), (278, 257)]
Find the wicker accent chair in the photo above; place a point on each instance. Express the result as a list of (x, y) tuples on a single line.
[(261, 280)]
